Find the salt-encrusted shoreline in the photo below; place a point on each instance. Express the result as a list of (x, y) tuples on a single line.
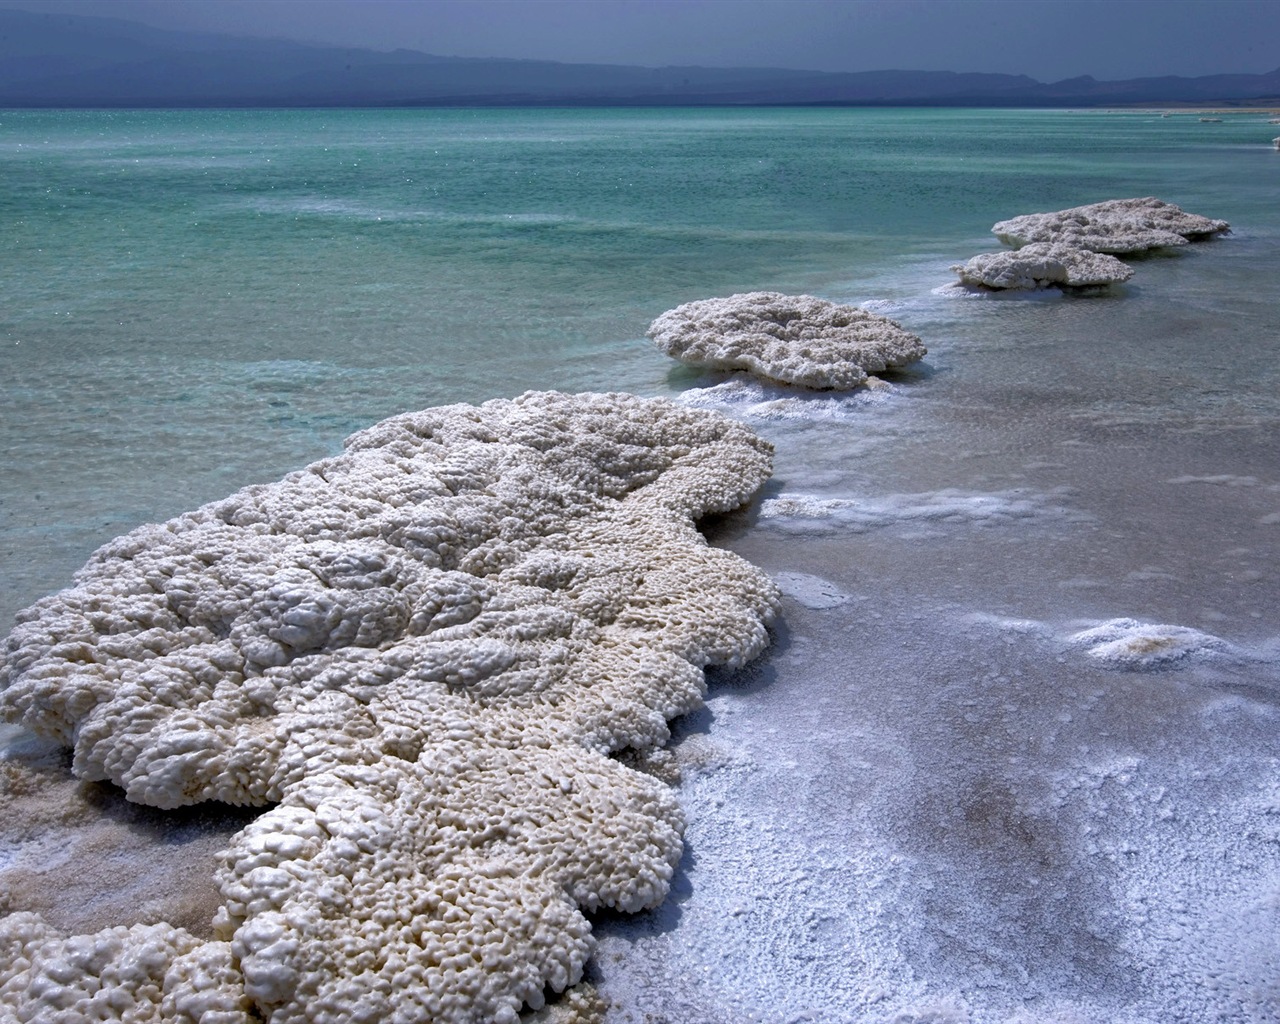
[(422, 653)]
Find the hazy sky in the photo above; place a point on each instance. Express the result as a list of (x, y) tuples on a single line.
[(1046, 39)]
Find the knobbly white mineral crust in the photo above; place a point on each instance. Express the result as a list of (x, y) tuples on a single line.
[(1042, 265), (1115, 226), (795, 339), (144, 973), (422, 652)]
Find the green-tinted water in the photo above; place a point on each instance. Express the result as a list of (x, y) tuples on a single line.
[(195, 299), (938, 805)]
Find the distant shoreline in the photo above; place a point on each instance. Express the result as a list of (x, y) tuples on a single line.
[(112, 63), (485, 103)]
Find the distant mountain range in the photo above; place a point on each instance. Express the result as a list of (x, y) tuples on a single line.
[(57, 60)]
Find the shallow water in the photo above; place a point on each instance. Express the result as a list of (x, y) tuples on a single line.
[(932, 803), (928, 802)]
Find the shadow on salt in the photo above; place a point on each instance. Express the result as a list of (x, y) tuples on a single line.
[(82, 856)]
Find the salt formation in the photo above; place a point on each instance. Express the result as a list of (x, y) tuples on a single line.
[(795, 339), (143, 973), (422, 652), (1042, 265), (1115, 226), (1129, 644)]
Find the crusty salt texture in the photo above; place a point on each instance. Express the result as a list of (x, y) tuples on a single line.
[(1114, 226), (1143, 646), (421, 652), (146, 973), (1042, 265), (794, 339)]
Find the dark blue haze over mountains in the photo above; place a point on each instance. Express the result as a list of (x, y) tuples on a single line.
[(50, 57)]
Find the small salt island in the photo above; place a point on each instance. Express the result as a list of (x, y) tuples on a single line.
[(1042, 265), (1115, 226), (791, 339)]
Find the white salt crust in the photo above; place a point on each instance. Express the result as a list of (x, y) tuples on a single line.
[(422, 652), (144, 973), (1042, 265), (1135, 646), (1141, 646), (1114, 226), (794, 339)]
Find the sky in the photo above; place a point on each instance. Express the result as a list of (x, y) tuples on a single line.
[(1047, 39)]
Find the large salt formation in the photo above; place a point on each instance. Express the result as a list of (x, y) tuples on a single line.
[(1042, 265), (422, 653), (1115, 226), (794, 339)]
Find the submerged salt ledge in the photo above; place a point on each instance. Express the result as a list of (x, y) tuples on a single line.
[(811, 591), (807, 513), (422, 651), (793, 339), (761, 400)]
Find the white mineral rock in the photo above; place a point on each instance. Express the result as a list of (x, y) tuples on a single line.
[(144, 973), (795, 339), (422, 652), (1042, 265), (1115, 226)]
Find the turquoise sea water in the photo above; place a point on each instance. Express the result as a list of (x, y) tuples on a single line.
[(192, 300), (931, 800)]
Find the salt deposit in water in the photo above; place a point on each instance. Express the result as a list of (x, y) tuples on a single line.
[(1129, 644), (1224, 480), (421, 652), (971, 821), (1115, 226), (811, 591), (795, 339), (1042, 265)]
